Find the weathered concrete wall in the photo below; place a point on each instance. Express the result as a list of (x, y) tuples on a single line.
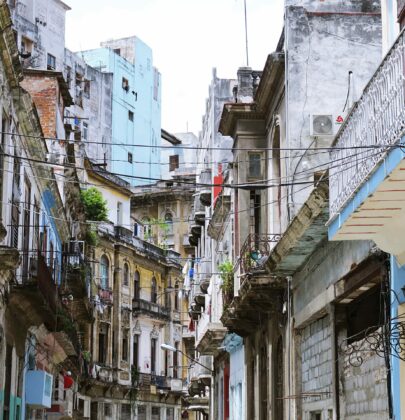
[(92, 109), (322, 49), (330, 263), (43, 22)]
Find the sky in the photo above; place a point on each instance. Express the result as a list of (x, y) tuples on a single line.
[(188, 38)]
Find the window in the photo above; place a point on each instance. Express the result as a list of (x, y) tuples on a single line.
[(85, 131), (153, 291), (125, 279), (147, 229), (68, 75), (141, 412), (315, 415), (125, 84), (104, 269), (125, 345), (136, 229), (125, 411), (129, 157), (173, 162), (51, 62), (255, 165), (176, 296), (137, 285), (119, 213), (135, 351), (169, 223), (26, 46), (102, 343), (117, 51), (166, 363), (130, 116), (155, 413), (176, 360), (153, 348), (107, 410), (86, 88)]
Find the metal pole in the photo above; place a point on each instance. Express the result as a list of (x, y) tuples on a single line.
[(246, 37)]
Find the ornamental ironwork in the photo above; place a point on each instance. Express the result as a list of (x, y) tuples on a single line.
[(387, 340), (255, 251), (375, 125)]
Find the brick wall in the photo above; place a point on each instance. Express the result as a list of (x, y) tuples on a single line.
[(44, 92)]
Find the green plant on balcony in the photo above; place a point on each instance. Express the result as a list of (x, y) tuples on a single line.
[(226, 274), (95, 205), (159, 238)]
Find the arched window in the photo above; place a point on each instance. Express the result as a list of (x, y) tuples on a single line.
[(104, 272), (176, 295), (169, 223), (137, 285), (125, 279), (153, 291)]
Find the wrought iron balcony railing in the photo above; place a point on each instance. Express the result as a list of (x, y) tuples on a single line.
[(255, 252), (374, 125)]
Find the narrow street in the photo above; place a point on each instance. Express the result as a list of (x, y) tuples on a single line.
[(202, 210)]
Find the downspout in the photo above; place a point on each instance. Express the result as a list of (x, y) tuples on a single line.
[(335, 364), (386, 294), (287, 126)]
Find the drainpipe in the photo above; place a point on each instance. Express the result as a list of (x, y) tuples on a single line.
[(289, 335), (335, 364), (290, 205)]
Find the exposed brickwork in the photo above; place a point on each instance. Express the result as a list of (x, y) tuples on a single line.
[(45, 94)]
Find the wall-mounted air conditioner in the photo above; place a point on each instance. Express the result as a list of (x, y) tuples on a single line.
[(322, 125), (38, 389)]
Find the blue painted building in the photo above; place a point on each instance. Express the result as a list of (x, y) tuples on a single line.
[(136, 107), (367, 193)]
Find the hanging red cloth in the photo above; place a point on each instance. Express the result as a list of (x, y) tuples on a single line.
[(67, 381), (191, 326)]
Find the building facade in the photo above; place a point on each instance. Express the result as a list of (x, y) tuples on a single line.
[(136, 110)]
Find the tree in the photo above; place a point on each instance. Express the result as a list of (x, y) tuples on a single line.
[(95, 205)]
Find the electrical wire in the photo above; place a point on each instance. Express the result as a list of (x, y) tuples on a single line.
[(331, 148), (240, 211)]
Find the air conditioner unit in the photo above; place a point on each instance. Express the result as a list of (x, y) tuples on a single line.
[(38, 389), (322, 125)]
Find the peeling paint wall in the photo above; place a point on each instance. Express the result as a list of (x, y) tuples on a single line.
[(322, 49)]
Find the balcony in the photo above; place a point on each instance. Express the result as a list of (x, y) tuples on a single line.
[(220, 215), (206, 190), (198, 211), (151, 309), (37, 295), (210, 338), (106, 296), (255, 252), (367, 195)]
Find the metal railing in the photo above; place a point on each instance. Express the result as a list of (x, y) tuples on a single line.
[(141, 305), (374, 125), (255, 251)]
